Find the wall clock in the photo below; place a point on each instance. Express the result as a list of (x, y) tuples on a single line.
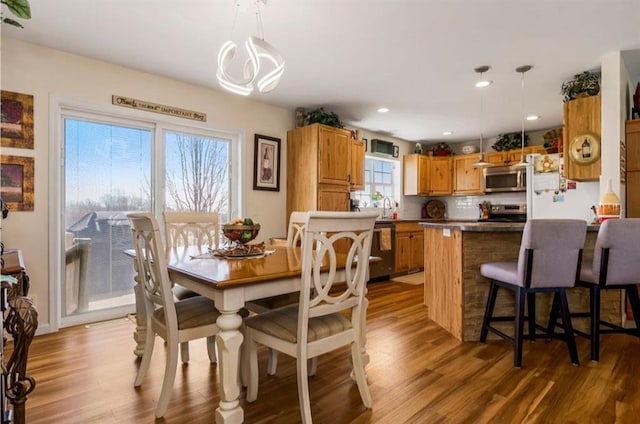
[(585, 149)]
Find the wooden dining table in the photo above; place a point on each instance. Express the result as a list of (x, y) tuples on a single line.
[(230, 283)]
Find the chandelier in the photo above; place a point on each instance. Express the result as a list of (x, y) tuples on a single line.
[(262, 69)]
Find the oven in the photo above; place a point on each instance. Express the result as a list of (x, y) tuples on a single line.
[(383, 246)]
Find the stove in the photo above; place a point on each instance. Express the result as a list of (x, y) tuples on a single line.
[(507, 213)]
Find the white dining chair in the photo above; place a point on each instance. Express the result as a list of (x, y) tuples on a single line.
[(328, 314), (199, 229), (295, 237), (175, 321)]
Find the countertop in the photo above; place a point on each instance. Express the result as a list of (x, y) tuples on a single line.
[(485, 227)]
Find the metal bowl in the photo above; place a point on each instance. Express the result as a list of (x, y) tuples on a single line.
[(240, 233)]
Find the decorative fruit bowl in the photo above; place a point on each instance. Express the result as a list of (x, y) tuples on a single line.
[(240, 233)]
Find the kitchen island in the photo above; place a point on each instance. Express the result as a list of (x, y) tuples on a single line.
[(456, 294)]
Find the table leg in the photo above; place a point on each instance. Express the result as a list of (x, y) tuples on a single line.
[(228, 342)]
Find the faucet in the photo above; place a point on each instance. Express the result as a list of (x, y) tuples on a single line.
[(384, 207)]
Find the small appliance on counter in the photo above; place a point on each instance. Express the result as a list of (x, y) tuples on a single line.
[(354, 205)]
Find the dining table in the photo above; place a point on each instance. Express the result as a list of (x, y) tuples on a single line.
[(230, 282)]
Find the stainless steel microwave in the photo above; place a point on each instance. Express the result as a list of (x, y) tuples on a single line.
[(504, 179)]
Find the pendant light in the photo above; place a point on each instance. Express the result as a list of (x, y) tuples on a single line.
[(262, 55), (523, 162), (482, 84)]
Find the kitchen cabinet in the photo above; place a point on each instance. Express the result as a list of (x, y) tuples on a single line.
[(511, 157), (633, 168), (633, 179), (409, 252), (427, 175), (581, 116), (466, 178), (357, 164), (318, 168)]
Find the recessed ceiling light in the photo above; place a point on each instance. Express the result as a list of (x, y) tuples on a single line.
[(383, 110), (484, 83), (533, 118), (447, 133)]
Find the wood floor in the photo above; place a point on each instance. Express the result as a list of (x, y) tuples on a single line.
[(418, 374)]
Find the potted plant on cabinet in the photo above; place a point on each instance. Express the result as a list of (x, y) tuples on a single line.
[(582, 85), (441, 149)]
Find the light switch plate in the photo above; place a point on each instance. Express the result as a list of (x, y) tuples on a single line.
[(446, 232)]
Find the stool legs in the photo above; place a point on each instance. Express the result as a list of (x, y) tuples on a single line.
[(519, 327), (488, 311), (568, 328)]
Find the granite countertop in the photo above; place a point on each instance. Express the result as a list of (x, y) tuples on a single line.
[(485, 227)]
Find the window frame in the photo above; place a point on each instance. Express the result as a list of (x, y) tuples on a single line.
[(61, 108)]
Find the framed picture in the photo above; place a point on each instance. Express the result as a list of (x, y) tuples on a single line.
[(17, 120), (366, 144), (17, 182), (266, 163), (396, 151)]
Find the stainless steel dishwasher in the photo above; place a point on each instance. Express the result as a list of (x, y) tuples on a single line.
[(382, 269)]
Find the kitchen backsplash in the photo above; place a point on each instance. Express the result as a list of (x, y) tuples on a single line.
[(457, 207)]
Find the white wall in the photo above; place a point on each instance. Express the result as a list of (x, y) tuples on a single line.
[(46, 73)]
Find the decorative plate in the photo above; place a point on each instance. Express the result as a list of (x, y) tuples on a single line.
[(435, 209), (585, 149)]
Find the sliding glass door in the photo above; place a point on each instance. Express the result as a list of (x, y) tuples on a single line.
[(107, 173)]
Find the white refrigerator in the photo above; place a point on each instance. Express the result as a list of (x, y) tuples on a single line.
[(549, 195)]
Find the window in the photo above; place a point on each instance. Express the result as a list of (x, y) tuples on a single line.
[(381, 179), (114, 165)]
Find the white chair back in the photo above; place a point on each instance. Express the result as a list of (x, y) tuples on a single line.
[(321, 291), (295, 233), (152, 267), (191, 229)]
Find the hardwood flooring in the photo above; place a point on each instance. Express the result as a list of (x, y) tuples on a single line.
[(418, 374)]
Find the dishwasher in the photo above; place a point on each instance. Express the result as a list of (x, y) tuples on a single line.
[(383, 268)]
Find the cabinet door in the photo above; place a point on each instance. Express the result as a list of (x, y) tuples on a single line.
[(467, 179), (441, 175), (416, 252), (513, 156), (402, 252), (496, 158), (633, 146), (357, 165), (633, 194), (581, 116), (333, 198), (334, 155), (415, 172)]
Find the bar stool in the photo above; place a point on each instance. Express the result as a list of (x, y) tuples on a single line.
[(616, 265), (548, 261)]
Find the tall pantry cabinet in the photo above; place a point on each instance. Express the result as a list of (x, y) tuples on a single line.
[(318, 168)]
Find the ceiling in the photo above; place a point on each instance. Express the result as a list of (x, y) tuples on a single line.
[(416, 57)]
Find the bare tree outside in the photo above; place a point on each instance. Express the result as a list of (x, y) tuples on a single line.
[(197, 174)]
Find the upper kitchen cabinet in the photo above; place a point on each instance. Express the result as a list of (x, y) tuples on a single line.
[(511, 157), (318, 168), (427, 175), (441, 175), (466, 178), (581, 119), (357, 164), (633, 169), (415, 173)]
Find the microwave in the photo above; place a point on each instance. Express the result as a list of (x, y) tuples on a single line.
[(504, 179)]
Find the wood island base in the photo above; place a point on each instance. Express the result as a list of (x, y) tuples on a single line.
[(456, 294)]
